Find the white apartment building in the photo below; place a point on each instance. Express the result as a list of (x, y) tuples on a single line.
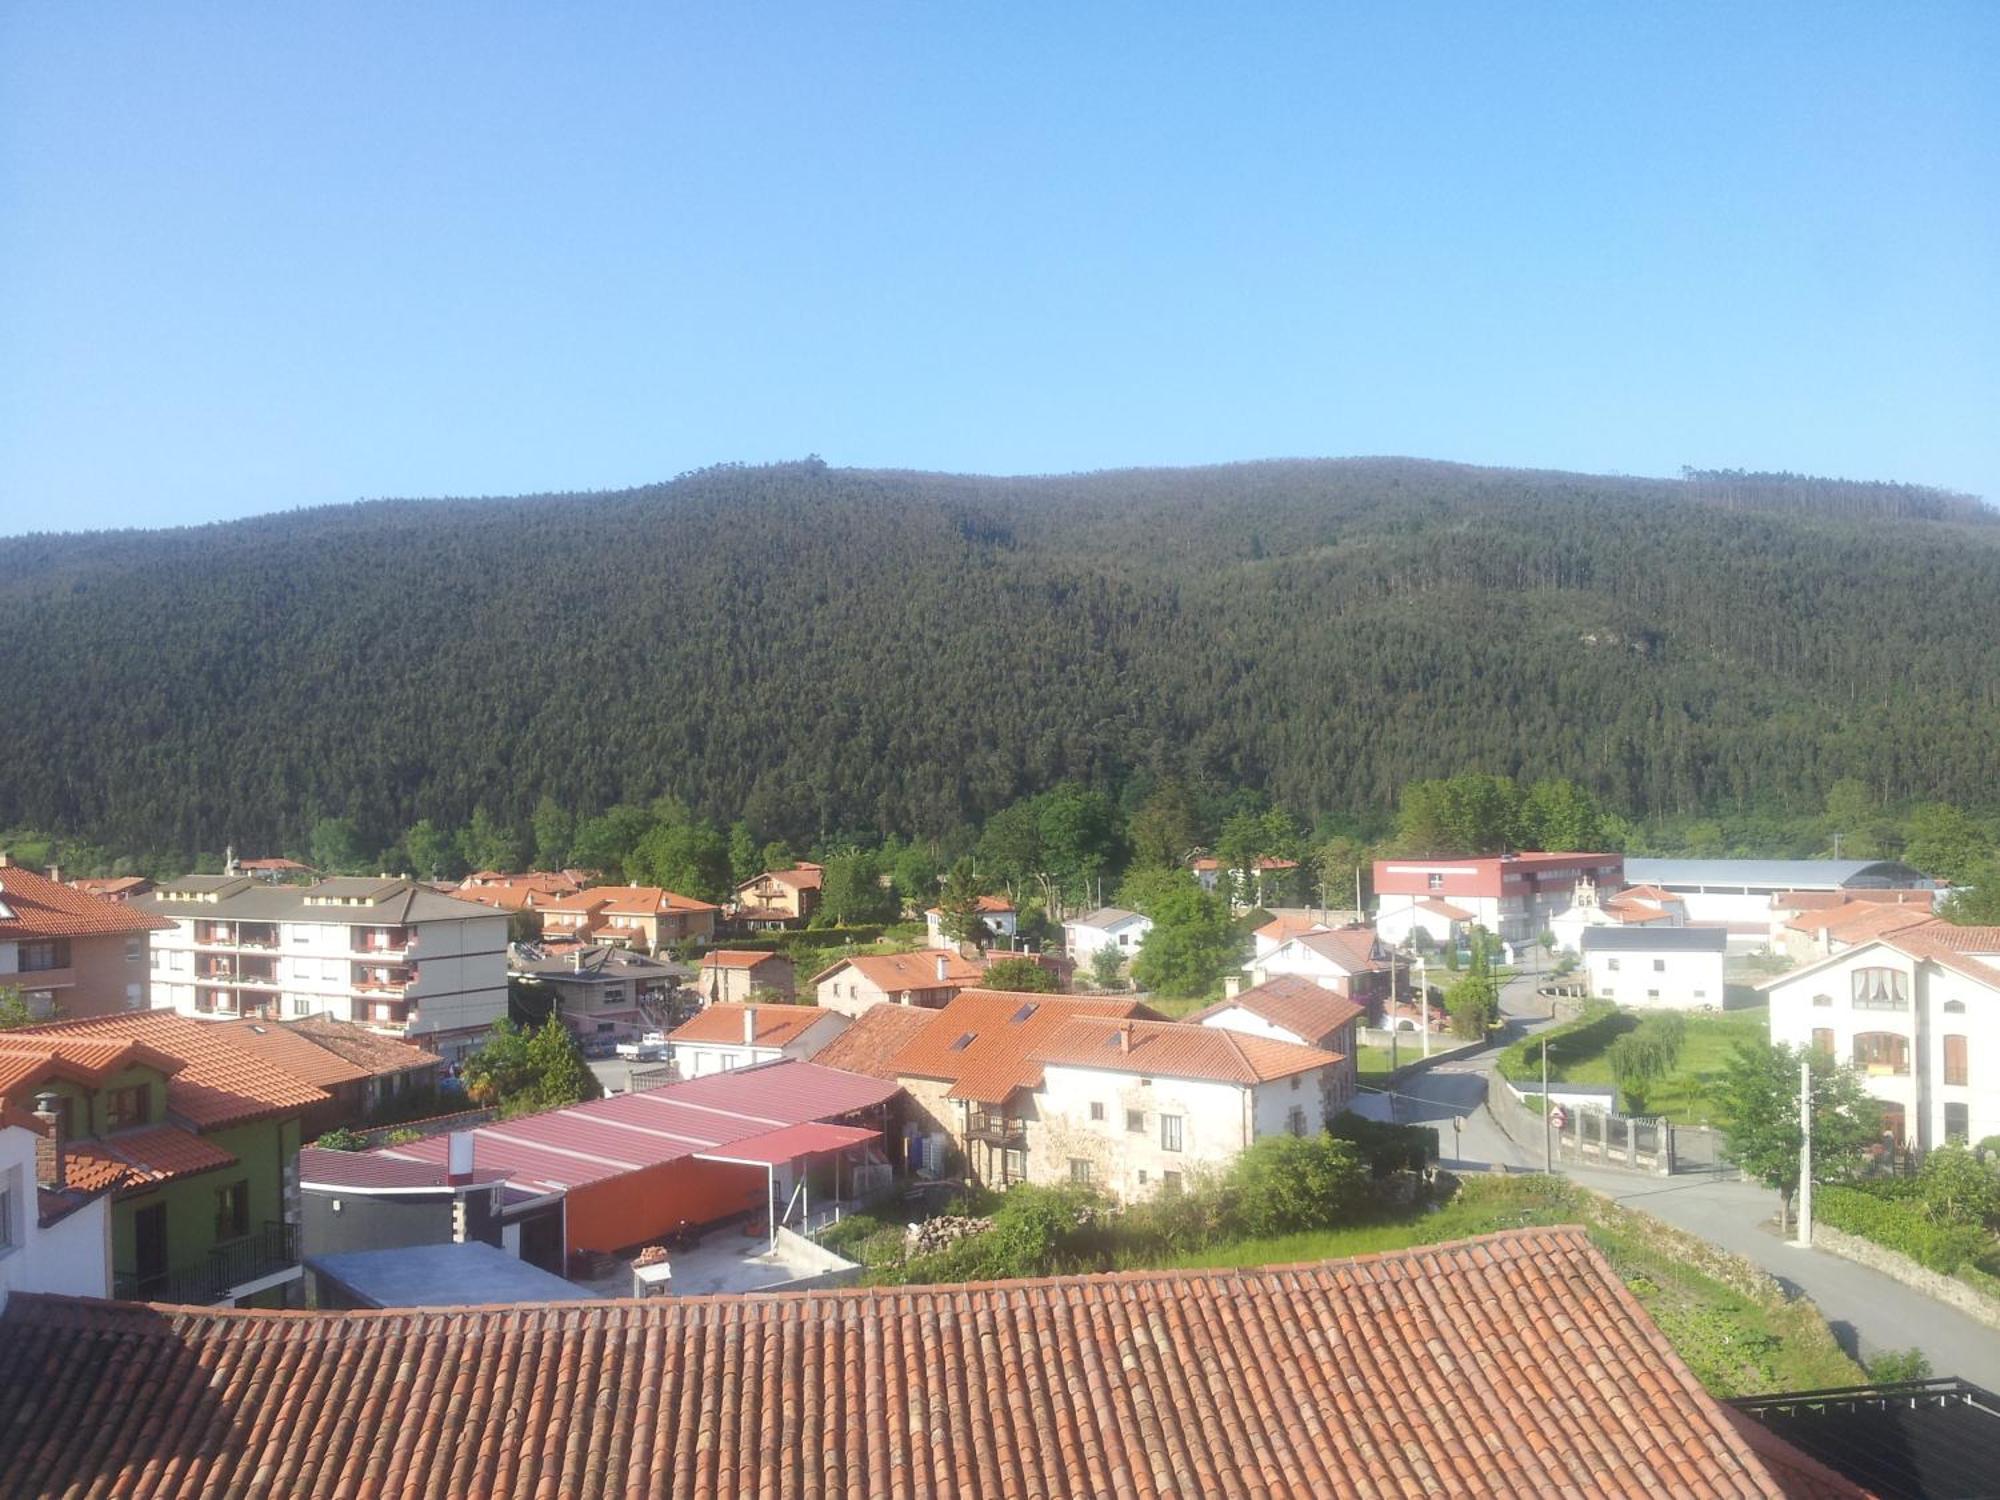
[(1132, 1106), (1656, 968), (390, 954), (1918, 1013)]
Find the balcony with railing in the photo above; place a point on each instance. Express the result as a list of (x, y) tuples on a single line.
[(257, 934), (376, 1012), (214, 1002), (384, 941), (384, 979), (265, 1252), (996, 1128)]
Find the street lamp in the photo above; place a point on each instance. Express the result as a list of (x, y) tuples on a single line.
[(1424, 995)]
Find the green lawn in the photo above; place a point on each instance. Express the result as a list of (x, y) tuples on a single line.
[(1370, 1061), (1576, 1055), (1735, 1330)]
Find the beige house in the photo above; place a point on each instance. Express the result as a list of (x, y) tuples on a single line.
[(929, 979), (629, 916), (71, 954), (777, 899), (731, 976)]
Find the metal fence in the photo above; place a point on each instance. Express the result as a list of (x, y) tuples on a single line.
[(264, 1252)]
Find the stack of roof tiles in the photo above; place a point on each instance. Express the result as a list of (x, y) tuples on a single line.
[(1512, 1365)]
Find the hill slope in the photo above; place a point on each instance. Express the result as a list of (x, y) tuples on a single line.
[(817, 648)]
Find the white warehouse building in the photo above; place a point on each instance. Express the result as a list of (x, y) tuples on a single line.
[(1656, 968), (1737, 893), (388, 953)]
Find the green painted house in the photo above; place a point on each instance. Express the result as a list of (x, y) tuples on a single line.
[(195, 1137)]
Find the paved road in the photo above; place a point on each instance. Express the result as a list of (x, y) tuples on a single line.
[(1869, 1312)]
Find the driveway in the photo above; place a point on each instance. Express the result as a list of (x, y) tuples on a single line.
[(1869, 1312)]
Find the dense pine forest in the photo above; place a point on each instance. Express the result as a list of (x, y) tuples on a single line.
[(813, 650)]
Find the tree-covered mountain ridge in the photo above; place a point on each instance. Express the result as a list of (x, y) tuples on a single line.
[(817, 649)]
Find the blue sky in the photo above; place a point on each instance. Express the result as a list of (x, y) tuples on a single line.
[(258, 256)]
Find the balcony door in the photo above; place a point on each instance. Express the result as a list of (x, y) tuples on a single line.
[(149, 1233)]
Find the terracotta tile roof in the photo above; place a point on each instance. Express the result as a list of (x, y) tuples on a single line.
[(139, 1158), (1962, 939), (281, 866), (1514, 1365), (983, 1042), (777, 1025), (1921, 942), (1857, 921), (110, 888), (223, 1082), (1303, 1008), (626, 901), (870, 1045), (514, 892), (1174, 1049), (799, 877), (34, 906), (28, 1058), (1444, 909), (297, 1055), (736, 958), (1279, 929), (895, 973), (1268, 862), (375, 1054), (1652, 895), (1818, 900), (991, 905)]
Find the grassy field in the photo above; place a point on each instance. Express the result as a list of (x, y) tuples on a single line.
[(1374, 1061), (1732, 1325), (1576, 1055)]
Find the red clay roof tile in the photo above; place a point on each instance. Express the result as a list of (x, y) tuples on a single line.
[(1515, 1365), (983, 1042), (776, 1025), (1305, 1009), (34, 906)]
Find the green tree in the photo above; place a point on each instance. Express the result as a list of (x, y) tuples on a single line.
[(1335, 863), (851, 890), (958, 906), (14, 1010), (1470, 813), (1977, 902), (1560, 815), (554, 831), (1107, 968), (1955, 1187), (743, 862), (1759, 1096), (1943, 841), (1643, 1056), (1286, 1184), (487, 844), (915, 872), (1167, 828), (682, 854), (522, 1071), (1854, 817), (1192, 943), (1018, 973), (433, 854), (336, 847), (1078, 833)]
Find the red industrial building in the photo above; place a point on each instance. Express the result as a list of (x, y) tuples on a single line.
[(628, 1169)]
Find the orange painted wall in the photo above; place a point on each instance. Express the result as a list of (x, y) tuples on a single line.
[(643, 1205)]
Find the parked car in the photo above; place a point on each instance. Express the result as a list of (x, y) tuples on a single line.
[(652, 1047)]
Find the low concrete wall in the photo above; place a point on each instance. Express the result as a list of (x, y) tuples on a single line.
[(1412, 1042), (1900, 1267)]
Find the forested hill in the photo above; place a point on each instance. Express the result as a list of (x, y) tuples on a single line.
[(819, 649)]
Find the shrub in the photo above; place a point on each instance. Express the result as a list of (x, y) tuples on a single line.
[(1900, 1226), (1286, 1183), (1899, 1364), (1386, 1148), (1955, 1188), (402, 1137), (342, 1139), (1019, 974)]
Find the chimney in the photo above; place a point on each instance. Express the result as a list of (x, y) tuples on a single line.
[(1232, 986), (576, 961), (55, 873), (5, 859), (458, 1159), (49, 1147), (749, 1025), (1125, 1036), (943, 968)]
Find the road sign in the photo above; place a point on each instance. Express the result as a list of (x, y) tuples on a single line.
[(1556, 1117)]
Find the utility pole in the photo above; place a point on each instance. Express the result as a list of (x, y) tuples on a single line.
[(1804, 1239), (1424, 990), (1359, 914), (1391, 1016), (1548, 1137)]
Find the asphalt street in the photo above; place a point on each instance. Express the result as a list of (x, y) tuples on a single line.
[(1869, 1312)]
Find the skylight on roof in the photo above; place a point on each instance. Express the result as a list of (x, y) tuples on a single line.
[(1022, 1014), (962, 1043)]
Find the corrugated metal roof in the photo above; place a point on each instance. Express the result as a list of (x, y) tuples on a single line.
[(779, 1146), (565, 1148), (1655, 939), (1781, 874)]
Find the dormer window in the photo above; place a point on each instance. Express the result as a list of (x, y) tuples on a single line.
[(127, 1107)]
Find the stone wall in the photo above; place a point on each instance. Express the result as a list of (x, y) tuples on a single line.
[(1890, 1263)]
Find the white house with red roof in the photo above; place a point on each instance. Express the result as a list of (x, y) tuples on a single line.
[(996, 912), (1512, 896), (1350, 961), (1291, 1008), (1132, 1106), (722, 1037), (629, 916), (1635, 906), (1918, 1012), (52, 1238)]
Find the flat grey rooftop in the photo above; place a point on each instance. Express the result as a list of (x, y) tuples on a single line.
[(470, 1275)]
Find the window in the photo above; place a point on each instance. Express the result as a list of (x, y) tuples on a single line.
[(1295, 1122), (1823, 1001), (1958, 1123), (1170, 1132), (232, 1211), (1652, 994), (125, 1108), (1882, 1052), (1435, 882), (302, 1005), (1954, 1007), (36, 957), (1135, 1121), (135, 949), (1881, 989), (1142, 1177), (1659, 966), (1297, 1080), (1014, 1164), (135, 996), (1096, 1110), (1170, 1182), (11, 1201), (1611, 964), (1823, 1039), (1080, 1171), (1954, 1061)]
